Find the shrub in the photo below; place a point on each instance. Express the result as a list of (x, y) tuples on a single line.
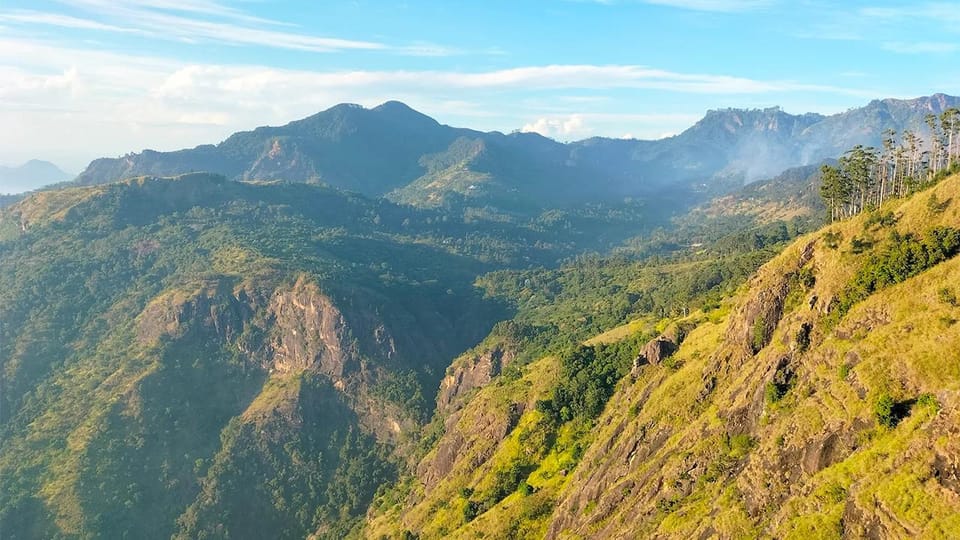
[(928, 400), (859, 245), (740, 445), (470, 511), (883, 410), (934, 206), (806, 277), (832, 239), (947, 296), (773, 393), (843, 371), (835, 493), (803, 337), (759, 337)]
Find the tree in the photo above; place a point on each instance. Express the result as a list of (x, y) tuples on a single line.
[(835, 188), (950, 123), (859, 164)]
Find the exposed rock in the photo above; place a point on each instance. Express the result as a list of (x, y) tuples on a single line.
[(213, 305), (473, 371), (311, 333), (820, 455), (663, 346), (476, 430), (655, 351)]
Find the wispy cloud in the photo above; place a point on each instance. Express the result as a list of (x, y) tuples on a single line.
[(200, 21), (722, 6), (190, 7), (714, 5), (62, 21), (946, 13), (921, 47), (129, 17)]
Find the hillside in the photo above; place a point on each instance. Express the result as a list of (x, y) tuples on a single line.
[(392, 150), (820, 400)]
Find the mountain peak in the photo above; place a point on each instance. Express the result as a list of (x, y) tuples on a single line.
[(394, 106), (403, 112)]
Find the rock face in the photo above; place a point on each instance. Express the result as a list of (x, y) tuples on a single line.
[(285, 329), (213, 306), (473, 371), (311, 333)]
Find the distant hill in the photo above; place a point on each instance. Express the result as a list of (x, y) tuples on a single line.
[(392, 150), (31, 175)]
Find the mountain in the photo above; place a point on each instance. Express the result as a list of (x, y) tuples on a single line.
[(818, 399), (31, 175), (394, 151)]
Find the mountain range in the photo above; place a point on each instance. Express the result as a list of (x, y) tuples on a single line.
[(393, 151)]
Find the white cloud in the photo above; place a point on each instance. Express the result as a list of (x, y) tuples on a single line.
[(568, 127), (581, 125)]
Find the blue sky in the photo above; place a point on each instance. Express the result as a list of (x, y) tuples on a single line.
[(81, 79)]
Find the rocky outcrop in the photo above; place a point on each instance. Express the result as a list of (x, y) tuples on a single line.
[(472, 371), (471, 436), (663, 346), (214, 305), (655, 351), (310, 333)]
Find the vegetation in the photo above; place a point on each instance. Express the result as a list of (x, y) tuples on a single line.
[(902, 257)]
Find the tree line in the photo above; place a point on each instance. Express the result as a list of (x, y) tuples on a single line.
[(866, 176)]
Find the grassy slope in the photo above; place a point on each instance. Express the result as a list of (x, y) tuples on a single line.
[(736, 464)]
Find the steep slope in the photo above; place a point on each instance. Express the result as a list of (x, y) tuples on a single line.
[(193, 356), (800, 420), (819, 401)]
